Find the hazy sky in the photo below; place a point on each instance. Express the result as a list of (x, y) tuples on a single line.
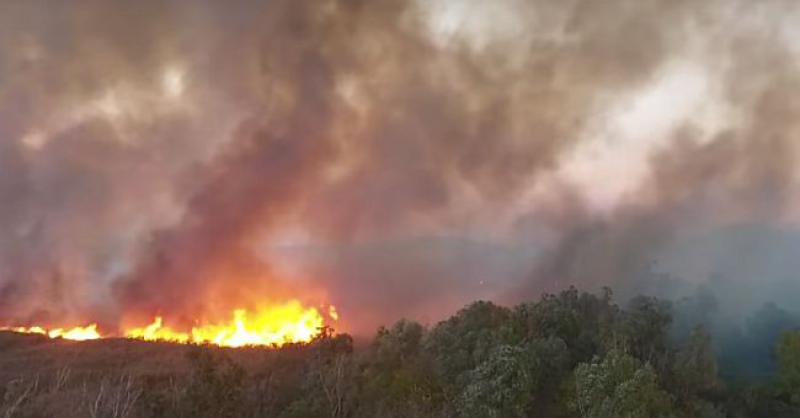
[(395, 158)]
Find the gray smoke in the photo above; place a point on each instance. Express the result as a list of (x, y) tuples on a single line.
[(394, 158)]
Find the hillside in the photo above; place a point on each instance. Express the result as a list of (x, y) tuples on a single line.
[(570, 355)]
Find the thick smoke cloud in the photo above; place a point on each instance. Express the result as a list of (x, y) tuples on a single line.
[(394, 158), (714, 206)]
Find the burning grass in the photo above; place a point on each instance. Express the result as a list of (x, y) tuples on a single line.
[(272, 325)]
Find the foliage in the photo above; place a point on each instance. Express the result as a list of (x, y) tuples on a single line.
[(466, 340), (215, 387), (582, 320), (506, 384), (619, 386), (398, 375), (566, 355), (788, 353), (644, 329)]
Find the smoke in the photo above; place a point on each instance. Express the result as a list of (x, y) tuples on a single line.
[(394, 158), (713, 205)]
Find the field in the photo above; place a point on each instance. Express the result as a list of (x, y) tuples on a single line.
[(43, 377)]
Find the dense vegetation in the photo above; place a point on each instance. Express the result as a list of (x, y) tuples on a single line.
[(567, 355)]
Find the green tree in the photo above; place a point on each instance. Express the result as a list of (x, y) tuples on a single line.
[(694, 375), (619, 387), (466, 340), (398, 378), (582, 320), (501, 386), (216, 385), (508, 383), (695, 365), (788, 354), (644, 330)]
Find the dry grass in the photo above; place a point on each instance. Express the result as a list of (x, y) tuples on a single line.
[(40, 377)]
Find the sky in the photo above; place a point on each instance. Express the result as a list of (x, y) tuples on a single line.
[(396, 159)]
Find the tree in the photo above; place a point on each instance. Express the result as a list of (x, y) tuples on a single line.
[(694, 375), (508, 382), (395, 346), (500, 386), (216, 385), (644, 329), (619, 387), (464, 341), (398, 377), (582, 320), (788, 354), (695, 366)]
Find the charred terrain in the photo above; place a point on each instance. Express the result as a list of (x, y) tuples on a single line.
[(570, 354)]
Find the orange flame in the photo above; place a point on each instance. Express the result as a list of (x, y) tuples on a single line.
[(88, 332), (270, 325), (274, 325)]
